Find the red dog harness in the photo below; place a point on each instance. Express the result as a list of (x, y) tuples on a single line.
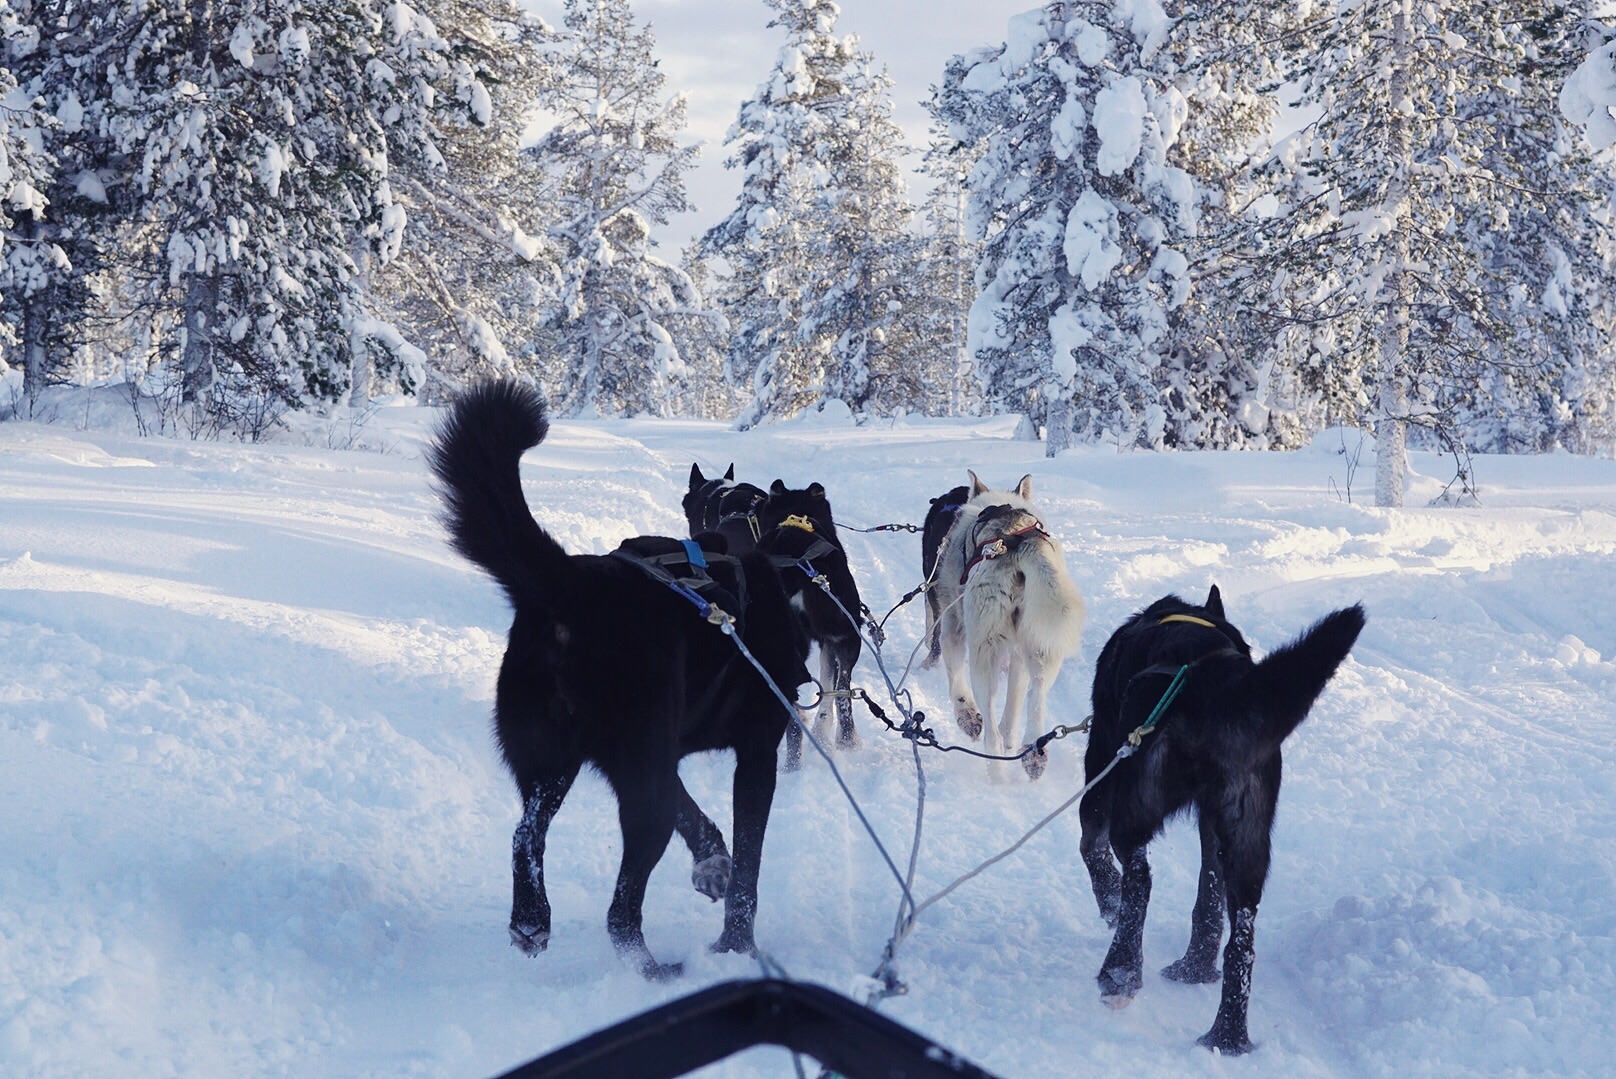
[(999, 546)]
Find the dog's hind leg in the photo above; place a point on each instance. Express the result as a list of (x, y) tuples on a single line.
[(1037, 697), (793, 746), (530, 906), (713, 865), (646, 808), (1015, 689), (753, 797), (966, 713), (1122, 973), (827, 687), (1095, 847), (844, 655), (1200, 963), (1244, 816)]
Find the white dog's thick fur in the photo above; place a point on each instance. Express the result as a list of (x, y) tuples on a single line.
[(1017, 612)]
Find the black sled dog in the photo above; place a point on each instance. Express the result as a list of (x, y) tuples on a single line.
[(724, 506), (837, 633), (940, 518), (1216, 747), (608, 666)]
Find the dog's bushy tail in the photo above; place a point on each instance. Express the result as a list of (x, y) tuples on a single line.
[(1285, 684), (476, 457)]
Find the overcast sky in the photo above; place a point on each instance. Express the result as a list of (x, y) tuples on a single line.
[(718, 51)]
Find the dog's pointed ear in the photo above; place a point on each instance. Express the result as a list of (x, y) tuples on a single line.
[(977, 486), (696, 478), (815, 490), (1214, 603), (1024, 488), (730, 473), (778, 487)]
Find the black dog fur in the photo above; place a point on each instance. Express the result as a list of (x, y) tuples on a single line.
[(940, 517), (1217, 748), (607, 667), (825, 623)]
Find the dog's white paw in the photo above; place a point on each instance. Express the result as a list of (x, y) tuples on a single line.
[(1034, 762), (1116, 1003)]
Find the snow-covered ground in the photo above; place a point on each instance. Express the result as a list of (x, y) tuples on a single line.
[(255, 822)]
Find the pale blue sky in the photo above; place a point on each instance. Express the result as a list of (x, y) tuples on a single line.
[(718, 51)]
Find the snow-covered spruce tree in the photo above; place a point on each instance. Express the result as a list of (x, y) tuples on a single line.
[(1227, 60), (1427, 151), (1079, 213), (614, 151), (33, 265), (261, 134), (817, 244), (473, 274)]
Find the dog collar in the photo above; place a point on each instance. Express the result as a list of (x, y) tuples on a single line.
[(1190, 618), (798, 521)]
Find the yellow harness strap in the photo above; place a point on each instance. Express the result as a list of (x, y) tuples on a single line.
[(798, 521), (1190, 618)]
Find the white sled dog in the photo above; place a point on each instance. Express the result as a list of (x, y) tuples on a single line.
[(1008, 605)]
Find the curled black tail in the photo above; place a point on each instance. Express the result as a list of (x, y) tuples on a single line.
[(1285, 684), (476, 457)]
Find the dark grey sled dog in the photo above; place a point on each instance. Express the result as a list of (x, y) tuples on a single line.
[(1216, 748)]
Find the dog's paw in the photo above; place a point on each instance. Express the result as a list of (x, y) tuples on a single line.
[(734, 942), (1118, 986), (1226, 1040), (530, 938), (848, 740), (1034, 761), (711, 876), (1191, 973), (969, 720), (652, 971)]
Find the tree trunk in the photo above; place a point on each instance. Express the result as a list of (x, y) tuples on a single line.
[(196, 356), (1058, 421), (1394, 302)]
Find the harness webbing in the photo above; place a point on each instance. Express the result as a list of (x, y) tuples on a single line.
[(998, 546), (692, 586)]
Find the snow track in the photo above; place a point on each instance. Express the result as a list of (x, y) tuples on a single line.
[(257, 825)]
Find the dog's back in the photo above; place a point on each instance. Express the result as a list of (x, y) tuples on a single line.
[(1235, 704)]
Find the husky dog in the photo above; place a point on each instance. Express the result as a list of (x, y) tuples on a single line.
[(1007, 604), (940, 518), (724, 506), (831, 624), (1216, 747), (608, 666)]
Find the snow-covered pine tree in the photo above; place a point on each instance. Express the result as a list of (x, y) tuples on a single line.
[(33, 266), (1401, 244), (473, 274), (1227, 60), (1080, 215), (816, 245), (614, 151), (1547, 242), (260, 134)]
